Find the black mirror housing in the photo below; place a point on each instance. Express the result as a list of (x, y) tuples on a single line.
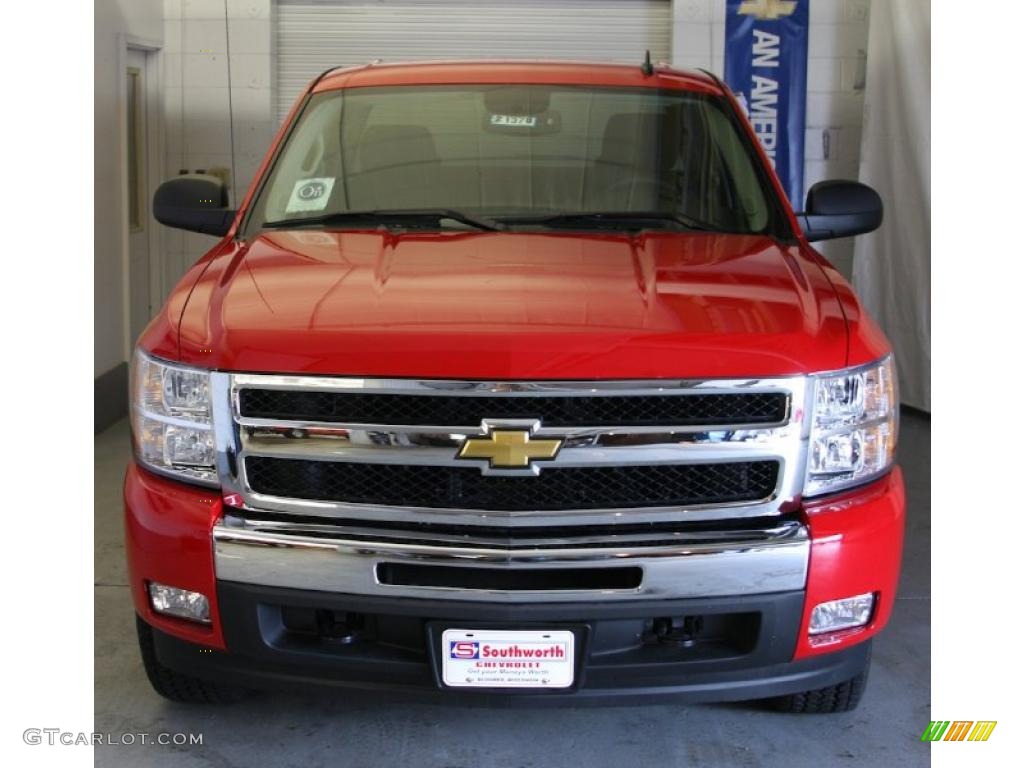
[(840, 209), (196, 202)]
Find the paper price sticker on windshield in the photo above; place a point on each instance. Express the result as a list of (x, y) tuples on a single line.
[(518, 121), (310, 195), (507, 659)]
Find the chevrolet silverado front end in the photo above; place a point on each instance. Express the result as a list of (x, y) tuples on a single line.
[(515, 383)]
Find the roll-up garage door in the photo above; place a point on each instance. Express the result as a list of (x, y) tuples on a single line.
[(313, 36)]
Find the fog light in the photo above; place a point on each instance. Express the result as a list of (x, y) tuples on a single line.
[(179, 602), (842, 614)]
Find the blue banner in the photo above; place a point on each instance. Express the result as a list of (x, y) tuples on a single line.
[(766, 67)]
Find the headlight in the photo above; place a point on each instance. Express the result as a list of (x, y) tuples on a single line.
[(853, 429), (172, 428)]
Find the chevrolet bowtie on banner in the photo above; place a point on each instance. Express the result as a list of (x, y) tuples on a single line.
[(515, 383)]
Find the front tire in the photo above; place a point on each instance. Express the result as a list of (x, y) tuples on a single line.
[(841, 697), (174, 685)]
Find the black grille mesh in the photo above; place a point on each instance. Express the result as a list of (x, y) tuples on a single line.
[(553, 411), (553, 489)]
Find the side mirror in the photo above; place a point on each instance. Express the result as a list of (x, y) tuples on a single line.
[(840, 209), (196, 202)]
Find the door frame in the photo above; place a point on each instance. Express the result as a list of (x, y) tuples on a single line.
[(155, 161)]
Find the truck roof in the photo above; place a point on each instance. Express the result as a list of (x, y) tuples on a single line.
[(532, 72)]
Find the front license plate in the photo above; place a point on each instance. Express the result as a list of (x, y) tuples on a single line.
[(473, 658)]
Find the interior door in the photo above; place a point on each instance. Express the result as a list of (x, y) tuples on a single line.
[(136, 147)]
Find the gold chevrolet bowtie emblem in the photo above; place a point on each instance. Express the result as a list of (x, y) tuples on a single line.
[(509, 449), (767, 9)]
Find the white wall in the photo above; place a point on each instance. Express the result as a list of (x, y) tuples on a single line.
[(836, 54), (114, 19), (892, 266), (197, 119)]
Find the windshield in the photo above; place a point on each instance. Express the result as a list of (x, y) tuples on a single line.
[(514, 154)]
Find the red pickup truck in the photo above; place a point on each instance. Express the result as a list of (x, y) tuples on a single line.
[(515, 383)]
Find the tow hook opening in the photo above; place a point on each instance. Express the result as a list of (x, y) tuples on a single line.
[(679, 631), (340, 627), (708, 633)]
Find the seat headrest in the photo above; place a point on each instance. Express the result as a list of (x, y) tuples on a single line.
[(386, 146), (628, 136)]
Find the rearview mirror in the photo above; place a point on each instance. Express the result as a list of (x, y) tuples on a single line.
[(840, 209), (196, 202)]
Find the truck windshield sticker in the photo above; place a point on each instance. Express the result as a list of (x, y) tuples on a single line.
[(310, 195), (520, 121)]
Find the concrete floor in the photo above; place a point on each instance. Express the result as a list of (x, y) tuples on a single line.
[(319, 729)]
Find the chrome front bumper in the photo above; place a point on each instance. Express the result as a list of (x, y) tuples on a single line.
[(680, 565)]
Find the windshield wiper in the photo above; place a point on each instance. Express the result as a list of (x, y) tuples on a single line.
[(616, 219), (388, 218)]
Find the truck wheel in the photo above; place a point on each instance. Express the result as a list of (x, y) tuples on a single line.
[(842, 697), (174, 685)]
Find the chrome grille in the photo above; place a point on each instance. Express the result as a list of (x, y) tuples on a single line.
[(466, 488), (741, 408), (368, 449)]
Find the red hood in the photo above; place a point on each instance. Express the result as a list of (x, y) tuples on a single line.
[(514, 306)]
